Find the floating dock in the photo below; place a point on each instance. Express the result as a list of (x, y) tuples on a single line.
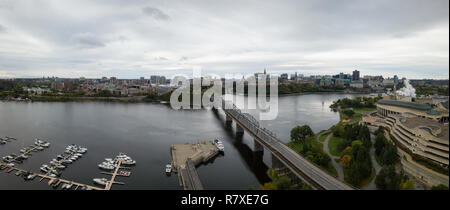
[(53, 179), (186, 157), (113, 177)]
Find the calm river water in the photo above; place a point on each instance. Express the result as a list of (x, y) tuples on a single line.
[(145, 132)]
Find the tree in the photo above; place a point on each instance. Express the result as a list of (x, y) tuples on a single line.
[(306, 187), (388, 179), (284, 183), (407, 184), (364, 136), (348, 112), (338, 130), (380, 142), (389, 155), (356, 143), (379, 130), (300, 133), (278, 182), (439, 187), (268, 186), (360, 166), (346, 160)]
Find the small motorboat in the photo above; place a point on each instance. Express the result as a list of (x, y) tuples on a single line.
[(169, 168), (60, 166), (106, 166), (219, 145), (67, 186), (101, 181), (124, 173)]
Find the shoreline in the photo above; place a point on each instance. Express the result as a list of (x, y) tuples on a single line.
[(141, 99)]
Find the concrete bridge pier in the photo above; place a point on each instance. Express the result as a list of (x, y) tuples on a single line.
[(239, 129), (275, 163), (257, 147), (228, 118)]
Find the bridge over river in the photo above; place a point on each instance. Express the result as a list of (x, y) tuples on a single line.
[(281, 155)]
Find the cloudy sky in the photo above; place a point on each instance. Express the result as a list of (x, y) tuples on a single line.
[(134, 38)]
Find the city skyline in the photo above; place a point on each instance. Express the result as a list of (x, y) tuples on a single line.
[(143, 38)]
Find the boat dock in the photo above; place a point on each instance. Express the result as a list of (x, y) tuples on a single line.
[(189, 176), (186, 157), (113, 177), (56, 179), (26, 152)]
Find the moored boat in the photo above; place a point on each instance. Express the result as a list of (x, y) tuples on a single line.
[(100, 181)]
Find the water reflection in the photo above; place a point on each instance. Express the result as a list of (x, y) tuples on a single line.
[(253, 160)]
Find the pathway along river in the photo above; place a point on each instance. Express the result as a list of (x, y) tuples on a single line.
[(145, 132)]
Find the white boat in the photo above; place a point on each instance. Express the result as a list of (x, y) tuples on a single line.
[(67, 161), (106, 166), (31, 176), (169, 168), (60, 166), (101, 181), (219, 145), (66, 186), (128, 162)]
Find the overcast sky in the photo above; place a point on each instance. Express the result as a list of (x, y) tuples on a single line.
[(134, 38)]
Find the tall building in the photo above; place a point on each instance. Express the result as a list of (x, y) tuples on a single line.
[(355, 75), (395, 79)]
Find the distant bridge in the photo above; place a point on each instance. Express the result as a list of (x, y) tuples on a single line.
[(281, 154)]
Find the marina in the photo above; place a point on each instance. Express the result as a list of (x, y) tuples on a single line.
[(52, 172), (25, 153), (55, 180)]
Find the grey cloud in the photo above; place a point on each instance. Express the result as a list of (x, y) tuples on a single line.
[(88, 40), (161, 58), (155, 13), (327, 36), (2, 29)]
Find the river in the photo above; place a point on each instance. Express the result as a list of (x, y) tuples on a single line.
[(145, 132)]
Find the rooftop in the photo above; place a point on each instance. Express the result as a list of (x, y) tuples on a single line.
[(411, 105), (445, 104), (434, 128)]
